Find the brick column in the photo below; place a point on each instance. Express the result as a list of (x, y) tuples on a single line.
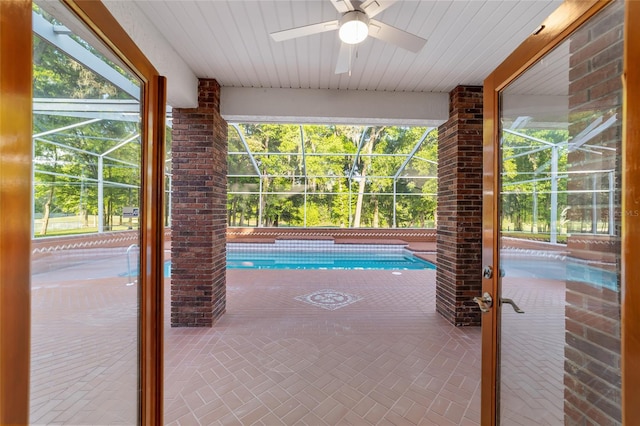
[(199, 211), (458, 277)]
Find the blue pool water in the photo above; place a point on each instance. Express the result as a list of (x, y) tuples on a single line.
[(261, 259), (552, 269), (310, 259), (562, 270)]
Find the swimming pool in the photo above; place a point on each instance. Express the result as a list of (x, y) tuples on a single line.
[(560, 269), (247, 259), (320, 260), (293, 254), (321, 254)]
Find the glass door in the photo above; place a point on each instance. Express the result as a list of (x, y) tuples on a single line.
[(81, 315), (558, 220), (87, 162)]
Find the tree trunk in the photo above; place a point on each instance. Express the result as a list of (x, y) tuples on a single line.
[(109, 217), (365, 161), (47, 205), (361, 186), (231, 214), (47, 210), (376, 214)]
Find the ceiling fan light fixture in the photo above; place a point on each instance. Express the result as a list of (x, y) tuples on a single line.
[(354, 27)]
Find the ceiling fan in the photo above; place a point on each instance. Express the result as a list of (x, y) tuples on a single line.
[(354, 26)]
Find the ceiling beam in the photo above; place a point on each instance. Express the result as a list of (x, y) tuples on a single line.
[(182, 87), (312, 106)]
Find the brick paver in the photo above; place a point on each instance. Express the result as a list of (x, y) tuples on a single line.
[(386, 357)]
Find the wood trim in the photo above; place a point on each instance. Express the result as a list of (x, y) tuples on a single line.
[(557, 27), (151, 249), (630, 221), (15, 205), (97, 18), (569, 16), (490, 320)]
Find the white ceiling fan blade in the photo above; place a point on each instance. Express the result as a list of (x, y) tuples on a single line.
[(344, 59), (373, 7), (400, 38), (342, 6), (304, 30)]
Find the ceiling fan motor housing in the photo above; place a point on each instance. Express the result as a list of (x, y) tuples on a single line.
[(354, 27)]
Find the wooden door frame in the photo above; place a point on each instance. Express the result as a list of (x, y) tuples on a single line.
[(630, 332), (15, 228), (557, 27), (15, 201)]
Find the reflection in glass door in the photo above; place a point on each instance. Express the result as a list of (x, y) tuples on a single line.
[(85, 256), (560, 232)]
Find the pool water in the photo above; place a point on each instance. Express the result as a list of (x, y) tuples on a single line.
[(277, 259), (561, 270)]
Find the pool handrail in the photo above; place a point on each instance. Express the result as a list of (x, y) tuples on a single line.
[(129, 274)]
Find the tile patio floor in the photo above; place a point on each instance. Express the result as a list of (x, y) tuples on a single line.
[(273, 358)]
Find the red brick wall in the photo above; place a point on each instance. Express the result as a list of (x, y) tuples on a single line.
[(199, 211), (592, 350), (459, 239), (594, 87), (408, 235)]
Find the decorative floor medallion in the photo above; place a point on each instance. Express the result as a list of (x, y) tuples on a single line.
[(329, 299)]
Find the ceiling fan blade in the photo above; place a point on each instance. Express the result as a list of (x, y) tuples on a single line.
[(342, 6), (400, 38), (304, 30), (344, 59), (373, 7)]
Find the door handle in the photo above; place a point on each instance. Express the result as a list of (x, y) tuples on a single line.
[(485, 302), (512, 303)]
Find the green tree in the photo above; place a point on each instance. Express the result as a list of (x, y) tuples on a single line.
[(315, 182), (67, 160), (526, 177)]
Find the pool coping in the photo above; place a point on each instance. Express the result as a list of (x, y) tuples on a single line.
[(424, 250)]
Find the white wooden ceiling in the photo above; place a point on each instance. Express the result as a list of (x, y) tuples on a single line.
[(229, 41)]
